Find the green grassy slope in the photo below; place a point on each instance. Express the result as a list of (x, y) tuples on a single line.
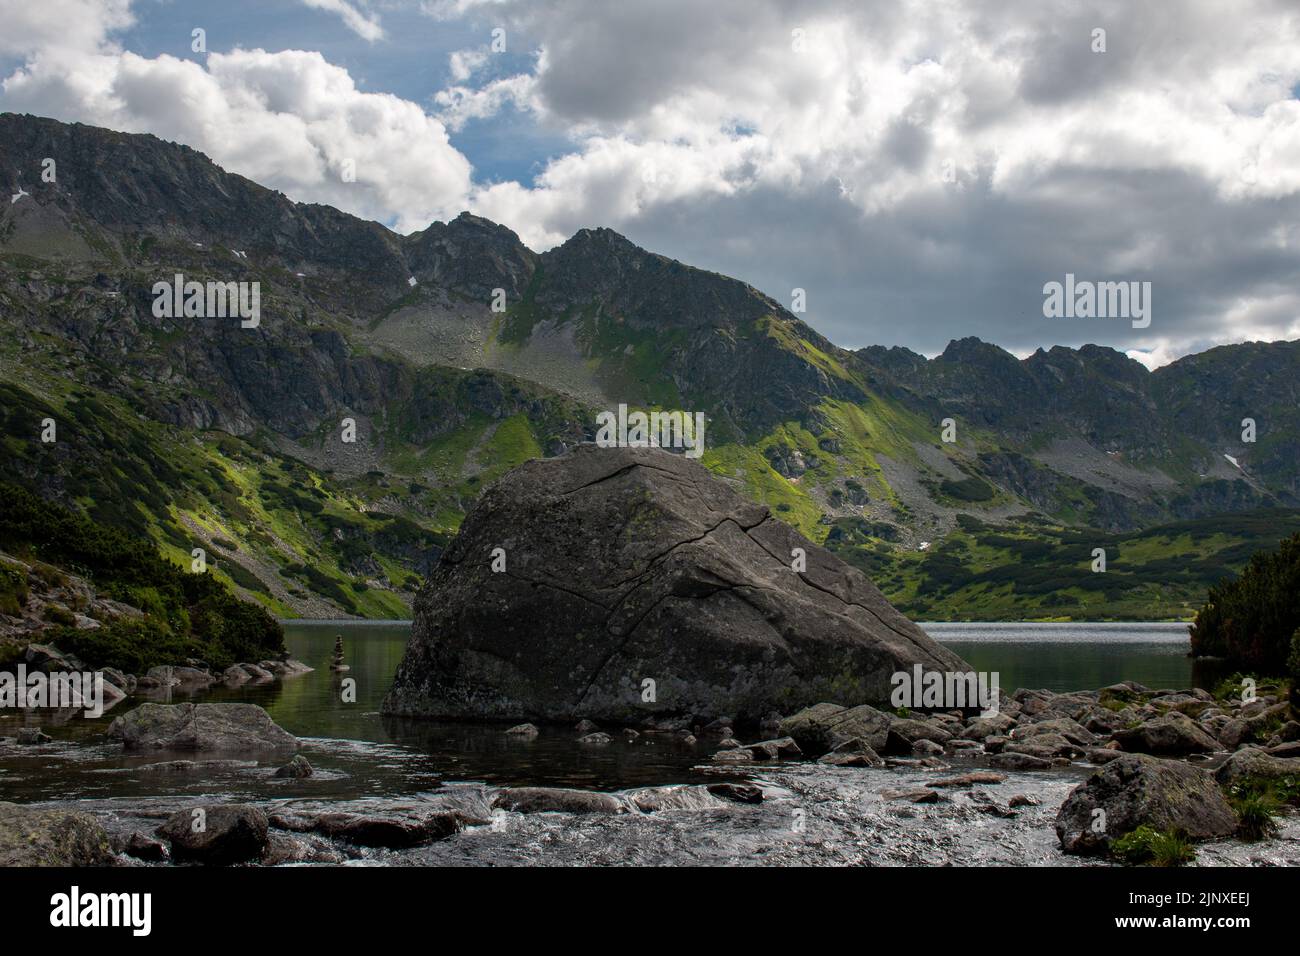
[(1039, 571)]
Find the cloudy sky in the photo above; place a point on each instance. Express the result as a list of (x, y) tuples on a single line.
[(921, 168)]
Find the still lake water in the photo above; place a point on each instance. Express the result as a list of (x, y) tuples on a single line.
[(1074, 656), (357, 752)]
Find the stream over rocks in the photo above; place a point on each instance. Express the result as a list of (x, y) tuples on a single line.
[(800, 814)]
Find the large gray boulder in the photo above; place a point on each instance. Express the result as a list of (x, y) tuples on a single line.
[(200, 728), (630, 565), (1136, 790)]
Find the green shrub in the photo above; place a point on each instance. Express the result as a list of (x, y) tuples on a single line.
[(1146, 846), (1232, 688), (59, 615), (198, 615), (1293, 669), (51, 577), (968, 489), (1257, 802), (1251, 620), (129, 644), (13, 590), (245, 578), (1255, 815)]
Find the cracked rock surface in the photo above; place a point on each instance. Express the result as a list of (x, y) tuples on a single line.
[(627, 565)]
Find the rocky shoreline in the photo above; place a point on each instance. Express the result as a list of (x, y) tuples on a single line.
[(834, 785), (157, 683)]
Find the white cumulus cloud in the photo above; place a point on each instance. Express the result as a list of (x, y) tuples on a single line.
[(287, 119), (920, 167)]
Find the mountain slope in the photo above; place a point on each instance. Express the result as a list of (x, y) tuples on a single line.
[(456, 353)]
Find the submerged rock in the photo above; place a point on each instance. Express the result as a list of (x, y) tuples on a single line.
[(35, 837), (200, 727), (656, 799), (969, 779), (142, 847), (737, 792), (913, 795), (1136, 790), (556, 800), (391, 830), (282, 849), (624, 565), (296, 769), (195, 766)]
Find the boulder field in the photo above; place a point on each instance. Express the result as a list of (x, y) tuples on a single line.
[(621, 583)]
